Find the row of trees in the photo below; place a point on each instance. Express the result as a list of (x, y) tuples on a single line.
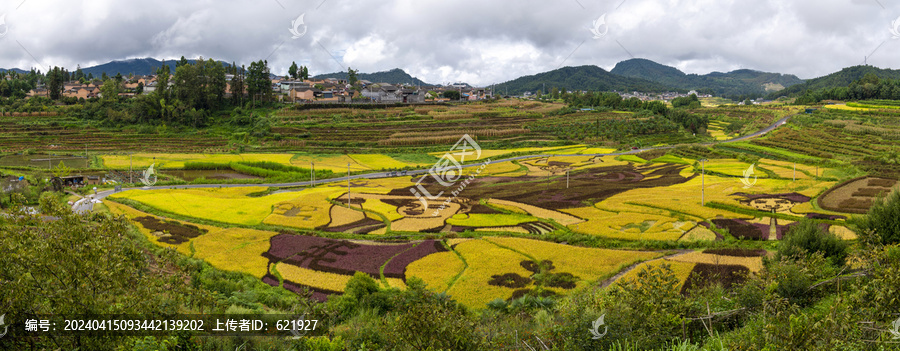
[(867, 88)]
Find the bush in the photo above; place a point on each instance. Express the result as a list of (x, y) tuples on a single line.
[(881, 226), (808, 237)]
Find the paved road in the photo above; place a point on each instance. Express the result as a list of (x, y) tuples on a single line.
[(103, 194)]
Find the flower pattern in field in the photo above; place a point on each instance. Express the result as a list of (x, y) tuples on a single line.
[(342, 257)]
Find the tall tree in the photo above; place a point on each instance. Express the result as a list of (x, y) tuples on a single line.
[(237, 86), (55, 83), (293, 70), (258, 82), (352, 76)]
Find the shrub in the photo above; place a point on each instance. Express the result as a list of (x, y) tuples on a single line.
[(881, 226), (808, 237)]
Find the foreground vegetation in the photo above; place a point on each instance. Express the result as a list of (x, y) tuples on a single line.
[(791, 247)]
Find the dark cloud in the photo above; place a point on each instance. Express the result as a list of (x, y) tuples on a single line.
[(442, 41)]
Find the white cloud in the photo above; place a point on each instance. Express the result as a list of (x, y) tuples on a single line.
[(477, 42)]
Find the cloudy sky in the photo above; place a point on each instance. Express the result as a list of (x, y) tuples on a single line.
[(479, 42)]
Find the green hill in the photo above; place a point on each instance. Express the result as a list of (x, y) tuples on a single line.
[(394, 76), (837, 79), (579, 78), (743, 82)]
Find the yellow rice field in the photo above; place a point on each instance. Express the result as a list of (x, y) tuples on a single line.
[(170, 161), (484, 260)]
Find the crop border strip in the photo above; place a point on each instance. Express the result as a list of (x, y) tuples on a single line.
[(383, 279), (387, 223), (462, 271), (265, 227), (757, 213)]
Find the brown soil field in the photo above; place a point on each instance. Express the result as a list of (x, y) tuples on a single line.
[(855, 195), (592, 184), (170, 232)]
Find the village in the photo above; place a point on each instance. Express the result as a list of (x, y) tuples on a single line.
[(285, 89)]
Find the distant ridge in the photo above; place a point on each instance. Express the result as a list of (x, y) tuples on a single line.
[(840, 78), (735, 83), (137, 66), (578, 78), (394, 76)]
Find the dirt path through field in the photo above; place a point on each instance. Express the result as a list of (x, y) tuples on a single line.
[(625, 271)]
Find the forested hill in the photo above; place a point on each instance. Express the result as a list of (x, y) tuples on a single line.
[(578, 78), (394, 76), (837, 79), (140, 66), (739, 83)]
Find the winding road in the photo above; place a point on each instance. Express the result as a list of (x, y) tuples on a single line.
[(88, 205)]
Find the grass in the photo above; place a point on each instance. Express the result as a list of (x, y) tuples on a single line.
[(172, 161), (671, 159), (489, 220), (588, 264), (631, 158), (227, 205), (379, 162)]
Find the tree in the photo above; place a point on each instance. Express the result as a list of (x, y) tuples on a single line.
[(452, 94), (687, 102), (80, 265), (881, 225), (237, 86), (258, 82), (352, 76), (305, 74), (79, 74), (55, 83), (808, 237), (110, 90), (292, 71), (215, 84)]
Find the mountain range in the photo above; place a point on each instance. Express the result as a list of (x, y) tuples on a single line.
[(738, 82), (394, 76), (578, 78), (840, 78), (630, 75)]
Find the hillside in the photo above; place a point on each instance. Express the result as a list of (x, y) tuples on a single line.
[(732, 84), (140, 66), (17, 70), (579, 78), (394, 76), (840, 78)]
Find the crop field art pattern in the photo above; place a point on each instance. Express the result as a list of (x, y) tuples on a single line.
[(504, 235)]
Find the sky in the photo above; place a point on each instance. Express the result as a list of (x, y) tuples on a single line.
[(478, 42)]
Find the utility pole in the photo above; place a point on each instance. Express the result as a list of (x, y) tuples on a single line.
[(348, 184), (312, 174), (703, 181), (795, 172), (131, 167), (567, 179)]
